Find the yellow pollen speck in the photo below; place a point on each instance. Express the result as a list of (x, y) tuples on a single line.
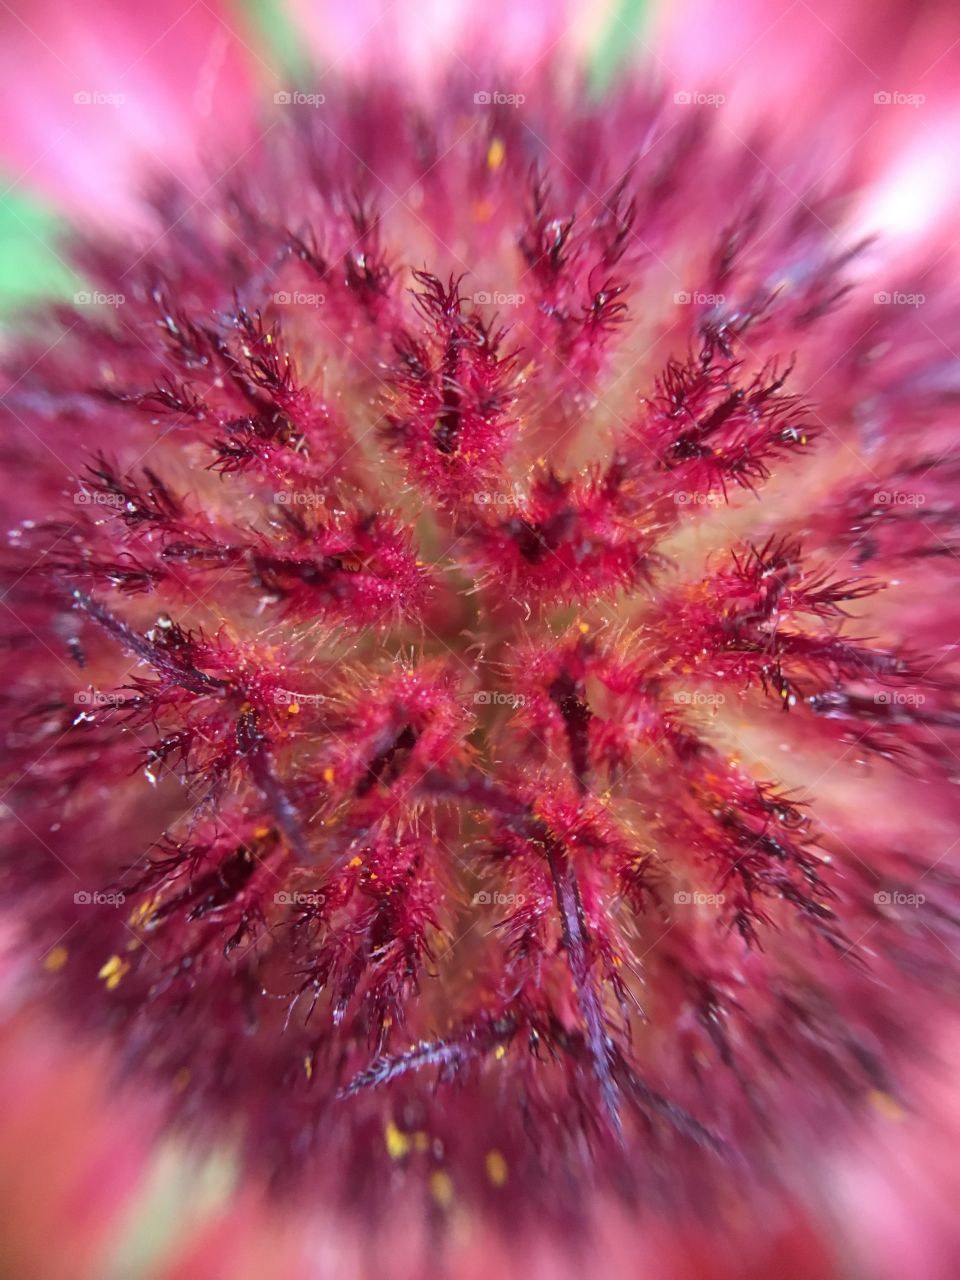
[(496, 1168), (142, 912), (113, 971), (355, 862), (500, 1052), (260, 832), (888, 1107), (583, 627), (495, 154), (55, 959), (398, 1144), (308, 1066), (441, 1188), (328, 775), (181, 1080), (293, 709)]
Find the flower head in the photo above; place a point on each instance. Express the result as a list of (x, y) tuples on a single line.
[(471, 647)]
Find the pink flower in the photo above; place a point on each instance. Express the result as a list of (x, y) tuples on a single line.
[(479, 631)]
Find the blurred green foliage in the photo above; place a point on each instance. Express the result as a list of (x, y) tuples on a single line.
[(29, 264), (282, 42), (618, 43)]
